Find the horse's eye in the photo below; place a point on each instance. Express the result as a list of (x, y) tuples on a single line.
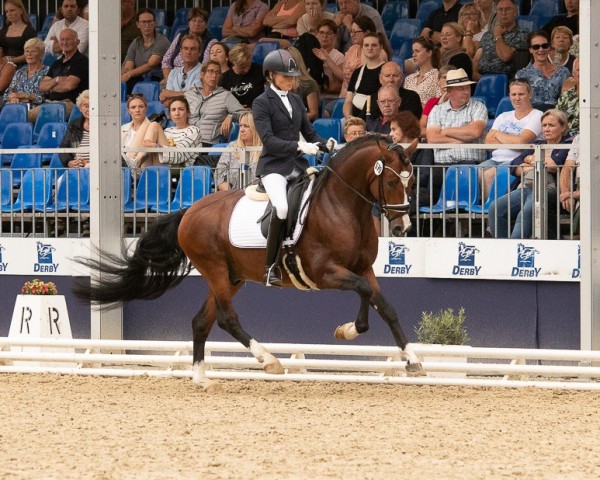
[(392, 184)]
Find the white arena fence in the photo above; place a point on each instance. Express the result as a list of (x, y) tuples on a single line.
[(446, 365)]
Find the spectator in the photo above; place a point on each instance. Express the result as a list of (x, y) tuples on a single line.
[(474, 26), (364, 82), (562, 41), (333, 60), (570, 183), (453, 52), (67, 77), (497, 47), (488, 10), (244, 21), (516, 207), (459, 120), (129, 28), (545, 78), (354, 128), (78, 135), (133, 133), (212, 108), (391, 74), (182, 135), (15, 32), (448, 12), (350, 10), (244, 79), (231, 163), (307, 88), (145, 52), (188, 74), (25, 84), (404, 128), (433, 101), (388, 101), (521, 125), (570, 20), (315, 14), (282, 20), (71, 19), (197, 27), (568, 101), (219, 52), (426, 56)]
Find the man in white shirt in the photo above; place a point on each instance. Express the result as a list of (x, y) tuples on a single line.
[(72, 20)]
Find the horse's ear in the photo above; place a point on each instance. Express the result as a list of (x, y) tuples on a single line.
[(411, 148)]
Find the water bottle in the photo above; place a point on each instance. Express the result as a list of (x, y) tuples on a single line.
[(557, 60)]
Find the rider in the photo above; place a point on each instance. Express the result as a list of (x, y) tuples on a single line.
[(280, 117)]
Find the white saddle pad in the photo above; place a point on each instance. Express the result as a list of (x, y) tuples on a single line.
[(244, 231)]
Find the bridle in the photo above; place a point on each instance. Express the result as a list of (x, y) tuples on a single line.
[(378, 169)]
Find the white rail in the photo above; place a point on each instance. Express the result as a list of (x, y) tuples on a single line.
[(454, 365)]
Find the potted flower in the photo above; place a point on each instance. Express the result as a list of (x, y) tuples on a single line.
[(38, 287), (40, 313), (443, 328)]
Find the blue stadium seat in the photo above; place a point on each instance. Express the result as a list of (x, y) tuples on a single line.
[(235, 131), (35, 192), (72, 191), (529, 23), (164, 30), (34, 19), (504, 105), (55, 167), (150, 90), (425, 8), (404, 29), (75, 113), (49, 112), (155, 107), (48, 23), (176, 30), (218, 145), (545, 10), (6, 190), (338, 109), (404, 52), (48, 59), (332, 7), (216, 21), (329, 127), (153, 190), (160, 16), (391, 12), (15, 136), (500, 186), (460, 190), (12, 113), (493, 87), (261, 49), (125, 117), (127, 186), (50, 136), (181, 15), (195, 182), (123, 91), (23, 161)]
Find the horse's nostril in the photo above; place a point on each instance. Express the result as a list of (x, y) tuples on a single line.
[(397, 231)]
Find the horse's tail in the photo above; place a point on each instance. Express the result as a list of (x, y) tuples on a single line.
[(157, 264)]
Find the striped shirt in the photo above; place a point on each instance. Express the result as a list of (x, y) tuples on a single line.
[(187, 137), (85, 143)]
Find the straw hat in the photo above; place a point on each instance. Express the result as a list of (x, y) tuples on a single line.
[(457, 78)]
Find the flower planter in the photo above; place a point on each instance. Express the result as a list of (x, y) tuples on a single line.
[(37, 317)]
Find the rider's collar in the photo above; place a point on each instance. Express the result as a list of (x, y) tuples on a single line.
[(281, 93)]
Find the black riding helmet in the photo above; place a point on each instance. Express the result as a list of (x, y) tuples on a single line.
[(281, 61)]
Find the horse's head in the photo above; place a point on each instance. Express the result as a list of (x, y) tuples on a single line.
[(393, 185)]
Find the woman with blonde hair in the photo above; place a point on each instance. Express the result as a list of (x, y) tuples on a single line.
[(307, 88), (133, 133), (473, 23), (78, 135), (230, 164), (15, 33)]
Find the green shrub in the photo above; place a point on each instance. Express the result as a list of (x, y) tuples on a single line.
[(443, 328)]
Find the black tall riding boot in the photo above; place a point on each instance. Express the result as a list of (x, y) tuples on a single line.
[(274, 240)]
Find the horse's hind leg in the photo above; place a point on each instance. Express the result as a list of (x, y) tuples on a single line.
[(201, 326)]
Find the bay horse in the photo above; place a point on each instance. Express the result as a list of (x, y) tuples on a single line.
[(337, 248)]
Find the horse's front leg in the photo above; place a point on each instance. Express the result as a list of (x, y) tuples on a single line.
[(201, 326)]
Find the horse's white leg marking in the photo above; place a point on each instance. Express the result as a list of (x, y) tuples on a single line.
[(200, 379), (413, 366), (347, 331), (269, 362)]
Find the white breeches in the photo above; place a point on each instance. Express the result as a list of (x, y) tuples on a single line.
[(275, 186)]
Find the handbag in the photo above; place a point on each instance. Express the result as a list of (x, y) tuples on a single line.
[(359, 100)]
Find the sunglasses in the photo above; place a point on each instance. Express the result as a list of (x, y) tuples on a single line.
[(183, 79), (544, 46), (136, 95)]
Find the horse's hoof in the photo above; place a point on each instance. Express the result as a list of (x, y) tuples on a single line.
[(347, 331), (415, 370), (273, 368)]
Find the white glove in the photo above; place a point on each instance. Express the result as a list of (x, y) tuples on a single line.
[(331, 144), (308, 148)]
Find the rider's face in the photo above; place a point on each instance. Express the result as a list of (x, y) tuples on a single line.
[(284, 82)]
